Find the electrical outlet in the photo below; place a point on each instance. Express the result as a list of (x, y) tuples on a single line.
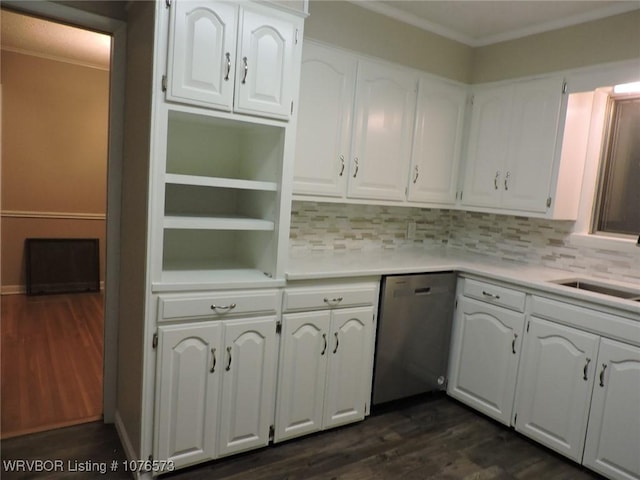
[(411, 230)]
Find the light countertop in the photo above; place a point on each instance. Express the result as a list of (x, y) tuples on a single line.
[(332, 264)]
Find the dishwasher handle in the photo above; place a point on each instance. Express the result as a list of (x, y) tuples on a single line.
[(422, 291)]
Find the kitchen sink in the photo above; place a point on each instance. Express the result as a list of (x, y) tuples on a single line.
[(601, 288)]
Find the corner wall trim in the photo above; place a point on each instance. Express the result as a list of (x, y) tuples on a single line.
[(53, 215)]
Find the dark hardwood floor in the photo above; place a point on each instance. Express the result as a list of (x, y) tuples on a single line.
[(52, 347), (432, 437)]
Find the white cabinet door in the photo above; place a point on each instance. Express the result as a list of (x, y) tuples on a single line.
[(437, 142), (554, 386), (202, 53), (487, 147), (484, 357), (349, 372), (248, 384), (612, 446), (264, 64), (532, 144), (302, 375), (323, 137), (384, 117), (188, 378)]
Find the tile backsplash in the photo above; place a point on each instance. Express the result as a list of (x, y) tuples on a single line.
[(333, 226)]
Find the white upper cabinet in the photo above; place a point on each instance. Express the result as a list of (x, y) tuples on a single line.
[(437, 142), (201, 53), (264, 65), (327, 86), (513, 146), (216, 45), (384, 116)]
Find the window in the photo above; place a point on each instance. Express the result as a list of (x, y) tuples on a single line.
[(617, 209)]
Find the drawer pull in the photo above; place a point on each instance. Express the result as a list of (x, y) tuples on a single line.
[(584, 371), (333, 301), (604, 367), (223, 307), (324, 349), (491, 295)]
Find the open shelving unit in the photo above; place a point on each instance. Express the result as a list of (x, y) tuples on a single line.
[(222, 200)]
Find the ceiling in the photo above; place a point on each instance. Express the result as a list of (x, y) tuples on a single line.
[(26, 34), (478, 22)]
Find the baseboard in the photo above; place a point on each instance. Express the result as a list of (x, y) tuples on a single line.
[(21, 289), (124, 438)]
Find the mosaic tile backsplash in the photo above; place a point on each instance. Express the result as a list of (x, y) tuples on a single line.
[(329, 226)]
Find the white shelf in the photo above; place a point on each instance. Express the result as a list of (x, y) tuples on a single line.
[(188, 222), (200, 181), (226, 277)]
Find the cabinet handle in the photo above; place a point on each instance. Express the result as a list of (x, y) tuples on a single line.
[(226, 76), (213, 360), (584, 371), (333, 301), (506, 181), (495, 179), (491, 295), (604, 367), (246, 70), (415, 179), (337, 342), (229, 360), (355, 174), (223, 307), (341, 165), (324, 349), (513, 343)]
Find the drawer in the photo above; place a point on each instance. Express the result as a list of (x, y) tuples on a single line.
[(331, 296), (218, 304), (502, 296)]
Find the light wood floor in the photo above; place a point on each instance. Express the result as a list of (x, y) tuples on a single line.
[(51, 361)]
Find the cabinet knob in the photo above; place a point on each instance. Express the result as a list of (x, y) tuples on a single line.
[(337, 342), (415, 178), (495, 180), (246, 70), (213, 360), (506, 181), (228, 359), (341, 165), (584, 370), (604, 367), (324, 349), (356, 161), (226, 75)]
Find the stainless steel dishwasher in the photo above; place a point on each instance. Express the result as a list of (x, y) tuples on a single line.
[(414, 331)]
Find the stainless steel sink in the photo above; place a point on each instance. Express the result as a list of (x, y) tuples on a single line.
[(601, 288)]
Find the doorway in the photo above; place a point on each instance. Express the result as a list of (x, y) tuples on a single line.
[(47, 351)]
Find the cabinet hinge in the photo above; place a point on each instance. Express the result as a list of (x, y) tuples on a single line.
[(515, 419), (278, 327), (291, 107), (164, 83), (456, 305), (167, 3), (528, 324), (154, 342), (272, 432), (297, 36), (564, 87), (548, 202), (461, 192)]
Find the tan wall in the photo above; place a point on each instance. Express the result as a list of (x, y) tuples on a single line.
[(54, 153), (355, 28), (600, 41)]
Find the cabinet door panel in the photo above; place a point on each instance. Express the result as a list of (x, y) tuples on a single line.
[(202, 53), (487, 148), (555, 385), (323, 137), (613, 434), (349, 375), (534, 123), (248, 385), (384, 115), (264, 65), (303, 368), (187, 393), (483, 363), (437, 142)]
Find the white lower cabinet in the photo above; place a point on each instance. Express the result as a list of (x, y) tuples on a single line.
[(555, 383), (326, 359), (215, 375), (612, 446), (484, 356)]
